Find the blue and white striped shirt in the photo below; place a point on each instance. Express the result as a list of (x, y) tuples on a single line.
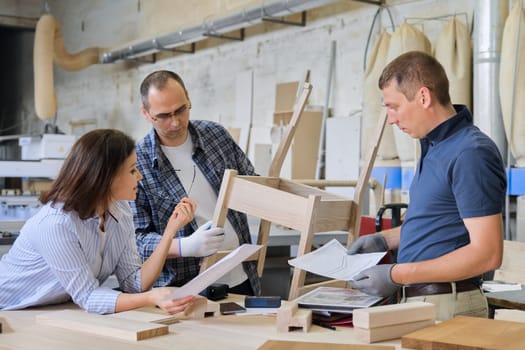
[(54, 258)]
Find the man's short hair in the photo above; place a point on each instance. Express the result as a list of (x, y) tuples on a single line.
[(158, 79), (413, 70)]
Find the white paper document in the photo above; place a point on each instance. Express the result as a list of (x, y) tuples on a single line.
[(498, 286), (216, 271), (331, 260)]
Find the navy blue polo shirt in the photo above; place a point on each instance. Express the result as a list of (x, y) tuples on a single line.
[(460, 175)]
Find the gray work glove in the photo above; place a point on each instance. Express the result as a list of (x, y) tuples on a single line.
[(373, 243), (375, 280)]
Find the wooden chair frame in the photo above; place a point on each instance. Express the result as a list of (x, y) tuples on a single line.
[(297, 206), (228, 196)]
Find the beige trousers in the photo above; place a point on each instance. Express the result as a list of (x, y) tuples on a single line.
[(472, 303)]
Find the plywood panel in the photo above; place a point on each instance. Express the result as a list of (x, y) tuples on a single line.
[(468, 333)]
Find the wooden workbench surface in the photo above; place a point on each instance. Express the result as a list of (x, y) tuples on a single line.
[(21, 331)]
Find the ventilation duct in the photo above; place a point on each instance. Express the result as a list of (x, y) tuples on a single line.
[(247, 17)]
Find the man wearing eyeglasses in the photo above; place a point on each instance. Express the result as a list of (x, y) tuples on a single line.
[(182, 158)]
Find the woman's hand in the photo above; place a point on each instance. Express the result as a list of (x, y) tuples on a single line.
[(160, 297), (182, 214)]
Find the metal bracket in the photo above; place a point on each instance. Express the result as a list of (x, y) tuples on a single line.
[(161, 47), (153, 59), (281, 20), (220, 36), (373, 2)]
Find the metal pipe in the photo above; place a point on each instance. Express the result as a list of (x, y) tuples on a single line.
[(489, 21), (221, 25), (321, 154)]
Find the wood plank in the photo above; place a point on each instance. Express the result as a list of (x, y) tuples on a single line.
[(104, 325), (468, 333), (300, 345), (145, 316), (305, 145), (393, 331), (386, 315)]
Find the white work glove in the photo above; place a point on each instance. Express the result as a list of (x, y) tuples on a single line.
[(203, 242)]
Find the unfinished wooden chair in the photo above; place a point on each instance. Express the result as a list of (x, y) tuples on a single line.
[(300, 207), (234, 195), (328, 212)]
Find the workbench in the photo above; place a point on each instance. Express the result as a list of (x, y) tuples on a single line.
[(514, 299), (21, 331)]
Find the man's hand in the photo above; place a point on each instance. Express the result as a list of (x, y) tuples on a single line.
[(373, 243), (376, 280), (203, 242)]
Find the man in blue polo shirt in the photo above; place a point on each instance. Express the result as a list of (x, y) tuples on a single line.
[(453, 230)]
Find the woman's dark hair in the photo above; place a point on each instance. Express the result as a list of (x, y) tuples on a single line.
[(84, 181)]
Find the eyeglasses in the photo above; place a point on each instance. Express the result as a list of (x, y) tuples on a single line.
[(182, 110)]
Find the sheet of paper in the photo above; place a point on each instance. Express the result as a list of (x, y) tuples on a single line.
[(216, 271), (332, 261), (495, 286)]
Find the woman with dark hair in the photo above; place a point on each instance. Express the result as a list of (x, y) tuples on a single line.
[(84, 233)]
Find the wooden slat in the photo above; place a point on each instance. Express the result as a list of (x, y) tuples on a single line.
[(104, 325)]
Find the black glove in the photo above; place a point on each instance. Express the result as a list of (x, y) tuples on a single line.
[(373, 243), (375, 280)]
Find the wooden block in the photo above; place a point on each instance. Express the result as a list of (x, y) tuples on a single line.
[(104, 325), (462, 333), (300, 345), (393, 331), (290, 317), (198, 309), (385, 315)]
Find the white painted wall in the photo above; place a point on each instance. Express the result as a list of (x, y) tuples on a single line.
[(275, 53)]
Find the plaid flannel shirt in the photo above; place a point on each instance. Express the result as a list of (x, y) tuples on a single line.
[(160, 190)]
